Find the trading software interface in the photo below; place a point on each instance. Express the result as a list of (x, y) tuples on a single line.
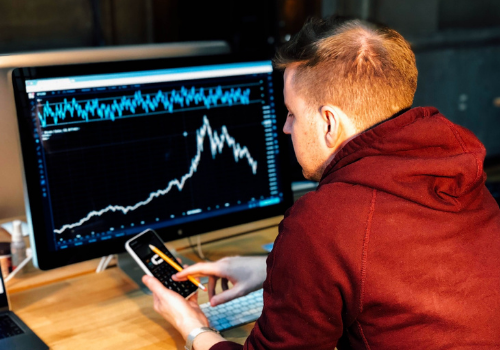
[(121, 152)]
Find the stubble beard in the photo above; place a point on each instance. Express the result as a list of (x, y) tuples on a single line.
[(313, 176)]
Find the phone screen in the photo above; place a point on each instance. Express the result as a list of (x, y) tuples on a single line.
[(156, 265), (147, 256)]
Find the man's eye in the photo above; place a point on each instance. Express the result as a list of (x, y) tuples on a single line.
[(290, 115)]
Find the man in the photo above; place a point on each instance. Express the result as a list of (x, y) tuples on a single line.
[(398, 248)]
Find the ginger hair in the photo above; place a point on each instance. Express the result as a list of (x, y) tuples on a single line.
[(367, 71)]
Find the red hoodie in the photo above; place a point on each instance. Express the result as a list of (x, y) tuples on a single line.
[(398, 248)]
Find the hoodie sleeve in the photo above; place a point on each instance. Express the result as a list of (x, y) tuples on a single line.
[(227, 345), (312, 288)]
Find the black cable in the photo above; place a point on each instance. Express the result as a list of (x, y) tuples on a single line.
[(97, 33)]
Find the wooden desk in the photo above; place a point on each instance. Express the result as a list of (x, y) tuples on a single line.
[(107, 310)]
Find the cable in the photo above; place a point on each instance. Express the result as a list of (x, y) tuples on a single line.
[(99, 267), (103, 264), (108, 260), (198, 251), (198, 246), (97, 33)]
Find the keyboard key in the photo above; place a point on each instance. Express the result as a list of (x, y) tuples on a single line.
[(236, 312), (8, 327)]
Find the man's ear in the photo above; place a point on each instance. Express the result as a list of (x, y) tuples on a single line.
[(331, 119)]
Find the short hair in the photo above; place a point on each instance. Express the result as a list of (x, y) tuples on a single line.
[(368, 71)]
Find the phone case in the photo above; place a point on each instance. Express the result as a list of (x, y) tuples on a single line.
[(153, 265)]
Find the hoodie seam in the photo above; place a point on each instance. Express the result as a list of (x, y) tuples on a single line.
[(456, 134), (364, 260), (360, 142), (464, 149), (364, 254), (362, 334)]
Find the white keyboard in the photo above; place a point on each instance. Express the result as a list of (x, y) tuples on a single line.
[(235, 312)]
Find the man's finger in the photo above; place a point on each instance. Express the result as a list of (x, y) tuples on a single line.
[(154, 285), (196, 270), (225, 296), (212, 282), (193, 299)]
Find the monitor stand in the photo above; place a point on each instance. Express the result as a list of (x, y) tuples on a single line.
[(128, 265)]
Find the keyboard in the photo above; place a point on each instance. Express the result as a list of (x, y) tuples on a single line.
[(8, 327), (236, 312)]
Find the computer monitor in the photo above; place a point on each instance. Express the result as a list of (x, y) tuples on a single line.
[(11, 184), (182, 146)]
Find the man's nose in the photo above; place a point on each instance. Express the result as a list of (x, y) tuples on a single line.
[(286, 127)]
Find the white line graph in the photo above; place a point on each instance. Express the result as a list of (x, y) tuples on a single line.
[(216, 146)]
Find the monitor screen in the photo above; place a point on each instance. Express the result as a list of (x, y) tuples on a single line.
[(180, 146)]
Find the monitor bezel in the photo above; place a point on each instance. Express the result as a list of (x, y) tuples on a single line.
[(45, 258)]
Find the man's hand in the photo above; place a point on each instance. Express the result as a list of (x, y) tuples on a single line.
[(184, 315), (247, 274)]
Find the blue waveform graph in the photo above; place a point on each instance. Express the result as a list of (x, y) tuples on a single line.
[(217, 143), (113, 108)]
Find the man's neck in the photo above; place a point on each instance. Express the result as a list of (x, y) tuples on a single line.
[(354, 135), (390, 118)]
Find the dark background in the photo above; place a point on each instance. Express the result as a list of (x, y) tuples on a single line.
[(457, 42)]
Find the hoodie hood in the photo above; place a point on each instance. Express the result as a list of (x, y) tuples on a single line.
[(420, 156)]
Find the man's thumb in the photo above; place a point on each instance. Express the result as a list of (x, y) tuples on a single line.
[(152, 283)]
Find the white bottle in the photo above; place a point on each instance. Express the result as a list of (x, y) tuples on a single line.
[(17, 246)]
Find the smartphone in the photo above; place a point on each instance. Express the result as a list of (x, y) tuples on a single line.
[(153, 265)]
